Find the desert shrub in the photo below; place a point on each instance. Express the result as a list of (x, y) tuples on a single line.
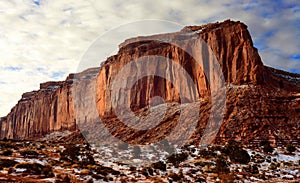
[(274, 166), (177, 158), (88, 147), (90, 180), (266, 147), (147, 171), (29, 153), (290, 148), (71, 153), (144, 172), (240, 156), (10, 170), (150, 171), (6, 144), (88, 159), (123, 146), (42, 146), (97, 176), (175, 176), (189, 148), (31, 168), (47, 171), (159, 165), (66, 179), (253, 169), (207, 154), (132, 168), (236, 153), (107, 179), (7, 152), (5, 163), (264, 142), (200, 179), (222, 166)]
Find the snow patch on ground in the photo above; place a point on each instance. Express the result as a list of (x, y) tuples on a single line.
[(57, 135)]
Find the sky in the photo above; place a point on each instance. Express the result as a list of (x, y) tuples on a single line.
[(44, 40)]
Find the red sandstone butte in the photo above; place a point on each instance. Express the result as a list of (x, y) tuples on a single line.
[(261, 102)]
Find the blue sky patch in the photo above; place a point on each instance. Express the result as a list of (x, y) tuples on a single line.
[(57, 75), (295, 57), (260, 45), (37, 2), (12, 68), (295, 71)]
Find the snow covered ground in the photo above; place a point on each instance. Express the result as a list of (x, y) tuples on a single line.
[(127, 164)]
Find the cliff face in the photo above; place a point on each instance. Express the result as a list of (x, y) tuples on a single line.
[(39, 112), (230, 44), (51, 108), (257, 97)]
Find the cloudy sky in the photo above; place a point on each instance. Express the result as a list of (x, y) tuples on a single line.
[(42, 40)]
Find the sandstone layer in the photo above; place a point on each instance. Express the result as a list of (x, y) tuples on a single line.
[(261, 102)]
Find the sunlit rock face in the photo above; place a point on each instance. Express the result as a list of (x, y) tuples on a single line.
[(261, 102)]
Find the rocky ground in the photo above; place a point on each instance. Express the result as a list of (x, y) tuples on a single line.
[(61, 161)]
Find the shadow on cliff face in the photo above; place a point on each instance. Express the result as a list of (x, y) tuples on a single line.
[(168, 86)]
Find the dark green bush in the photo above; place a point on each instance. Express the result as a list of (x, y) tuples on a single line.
[(177, 158), (6, 144), (274, 166), (5, 163), (175, 176), (90, 181), (88, 159), (264, 142), (7, 152), (42, 146), (147, 171), (240, 156), (47, 171), (66, 179), (207, 154), (159, 165), (222, 166), (132, 168), (253, 169), (266, 147), (71, 153), (150, 171), (290, 148), (236, 153)]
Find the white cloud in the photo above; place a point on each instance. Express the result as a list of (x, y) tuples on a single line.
[(51, 38)]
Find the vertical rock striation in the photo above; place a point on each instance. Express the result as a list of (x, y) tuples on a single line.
[(254, 91)]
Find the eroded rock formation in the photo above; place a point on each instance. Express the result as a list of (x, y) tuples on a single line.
[(261, 102)]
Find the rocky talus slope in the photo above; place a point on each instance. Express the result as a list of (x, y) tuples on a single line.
[(261, 102)]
